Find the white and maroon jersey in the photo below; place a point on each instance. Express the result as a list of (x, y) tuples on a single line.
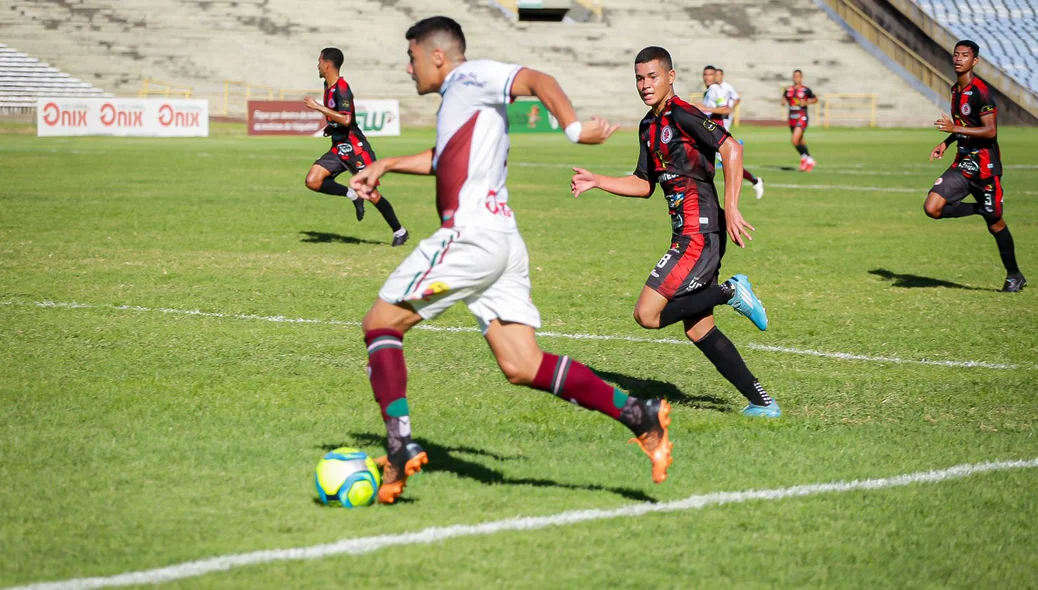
[(471, 154)]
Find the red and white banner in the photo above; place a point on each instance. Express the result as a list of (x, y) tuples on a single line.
[(292, 117), (138, 117)]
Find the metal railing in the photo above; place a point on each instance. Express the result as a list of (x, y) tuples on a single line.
[(848, 108), (298, 93), (888, 44), (151, 87), (236, 95)]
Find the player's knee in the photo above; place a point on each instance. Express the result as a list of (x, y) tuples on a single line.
[(933, 210), (517, 373), (313, 182), (995, 224), (646, 319)]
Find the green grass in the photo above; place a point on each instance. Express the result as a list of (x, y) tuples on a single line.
[(138, 439)]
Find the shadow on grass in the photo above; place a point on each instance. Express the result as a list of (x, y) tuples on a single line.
[(653, 388), (320, 237), (909, 281), (450, 460)]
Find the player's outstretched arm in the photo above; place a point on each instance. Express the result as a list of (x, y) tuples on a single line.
[(340, 118), (365, 181), (624, 186), (731, 155), (533, 83), (938, 150), (989, 130)]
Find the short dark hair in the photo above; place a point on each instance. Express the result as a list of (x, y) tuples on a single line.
[(422, 29), (719, 70), (709, 67), (798, 72), (333, 55), (972, 45), (653, 53)]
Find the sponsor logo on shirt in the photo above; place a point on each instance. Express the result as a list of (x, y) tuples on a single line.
[(710, 125), (468, 79)]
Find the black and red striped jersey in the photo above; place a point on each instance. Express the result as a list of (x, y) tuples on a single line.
[(976, 157), (339, 98), (677, 152), (795, 97)]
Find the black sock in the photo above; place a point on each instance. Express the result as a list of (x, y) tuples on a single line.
[(1006, 250), (803, 150), (960, 209), (330, 187), (388, 214), (747, 175), (693, 304), (723, 354)]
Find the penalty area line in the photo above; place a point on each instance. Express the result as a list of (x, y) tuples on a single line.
[(843, 356), (363, 545)]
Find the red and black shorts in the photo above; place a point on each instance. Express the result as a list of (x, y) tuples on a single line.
[(692, 263), (797, 121), (953, 187), (344, 156)]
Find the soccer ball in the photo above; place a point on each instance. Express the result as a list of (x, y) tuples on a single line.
[(347, 477)]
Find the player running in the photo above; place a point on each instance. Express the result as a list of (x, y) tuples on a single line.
[(477, 256), (733, 97), (677, 145), (718, 106), (350, 149), (797, 97), (977, 169)]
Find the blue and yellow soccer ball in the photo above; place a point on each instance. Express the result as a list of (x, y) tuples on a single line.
[(347, 477)]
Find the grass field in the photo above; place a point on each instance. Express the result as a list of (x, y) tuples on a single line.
[(134, 436)]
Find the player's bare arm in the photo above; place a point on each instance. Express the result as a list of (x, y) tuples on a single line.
[(340, 118), (530, 82), (366, 180), (731, 155), (624, 186), (989, 129)]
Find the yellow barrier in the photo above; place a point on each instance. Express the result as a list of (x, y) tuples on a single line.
[(294, 93), (848, 108), (238, 94), (151, 87)]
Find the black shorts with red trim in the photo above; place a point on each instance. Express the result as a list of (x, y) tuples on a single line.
[(345, 156), (692, 263), (953, 187), (800, 121)]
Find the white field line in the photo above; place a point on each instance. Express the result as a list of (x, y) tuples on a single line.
[(845, 356), (362, 545)]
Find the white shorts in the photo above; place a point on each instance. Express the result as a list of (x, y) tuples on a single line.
[(488, 270)]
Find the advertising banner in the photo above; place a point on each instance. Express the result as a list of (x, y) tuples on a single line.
[(530, 116), (125, 117), (291, 117)]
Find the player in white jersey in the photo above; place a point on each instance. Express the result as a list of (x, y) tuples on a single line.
[(733, 97), (718, 106), (477, 256)]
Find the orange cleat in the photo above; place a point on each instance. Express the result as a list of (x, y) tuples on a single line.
[(810, 165), (655, 441), (394, 478)]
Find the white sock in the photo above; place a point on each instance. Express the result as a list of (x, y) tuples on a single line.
[(351, 194), (400, 232)]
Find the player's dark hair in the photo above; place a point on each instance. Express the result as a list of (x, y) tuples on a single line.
[(709, 68), (653, 53), (798, 72), (333, 55), (719, 70), (972, 45), (421, 30)]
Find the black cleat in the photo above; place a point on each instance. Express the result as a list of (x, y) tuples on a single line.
[(1014, 283), (399, 240), (359, 205)]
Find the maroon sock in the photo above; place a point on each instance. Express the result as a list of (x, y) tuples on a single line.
[(387, 371), (747, 175), (571, 380)]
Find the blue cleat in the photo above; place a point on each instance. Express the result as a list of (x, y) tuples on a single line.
[(769, 411), (745, 302)]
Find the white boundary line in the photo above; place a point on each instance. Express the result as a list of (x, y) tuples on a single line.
[(844, 356), (362, 545)]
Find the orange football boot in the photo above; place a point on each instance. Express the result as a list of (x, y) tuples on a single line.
[(655, 441), (394, 477)]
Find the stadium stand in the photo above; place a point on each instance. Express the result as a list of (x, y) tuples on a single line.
[(201, 43), (1009, 28), (24, 78)]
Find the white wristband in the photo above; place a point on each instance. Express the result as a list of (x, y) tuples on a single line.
[(573, 131)]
